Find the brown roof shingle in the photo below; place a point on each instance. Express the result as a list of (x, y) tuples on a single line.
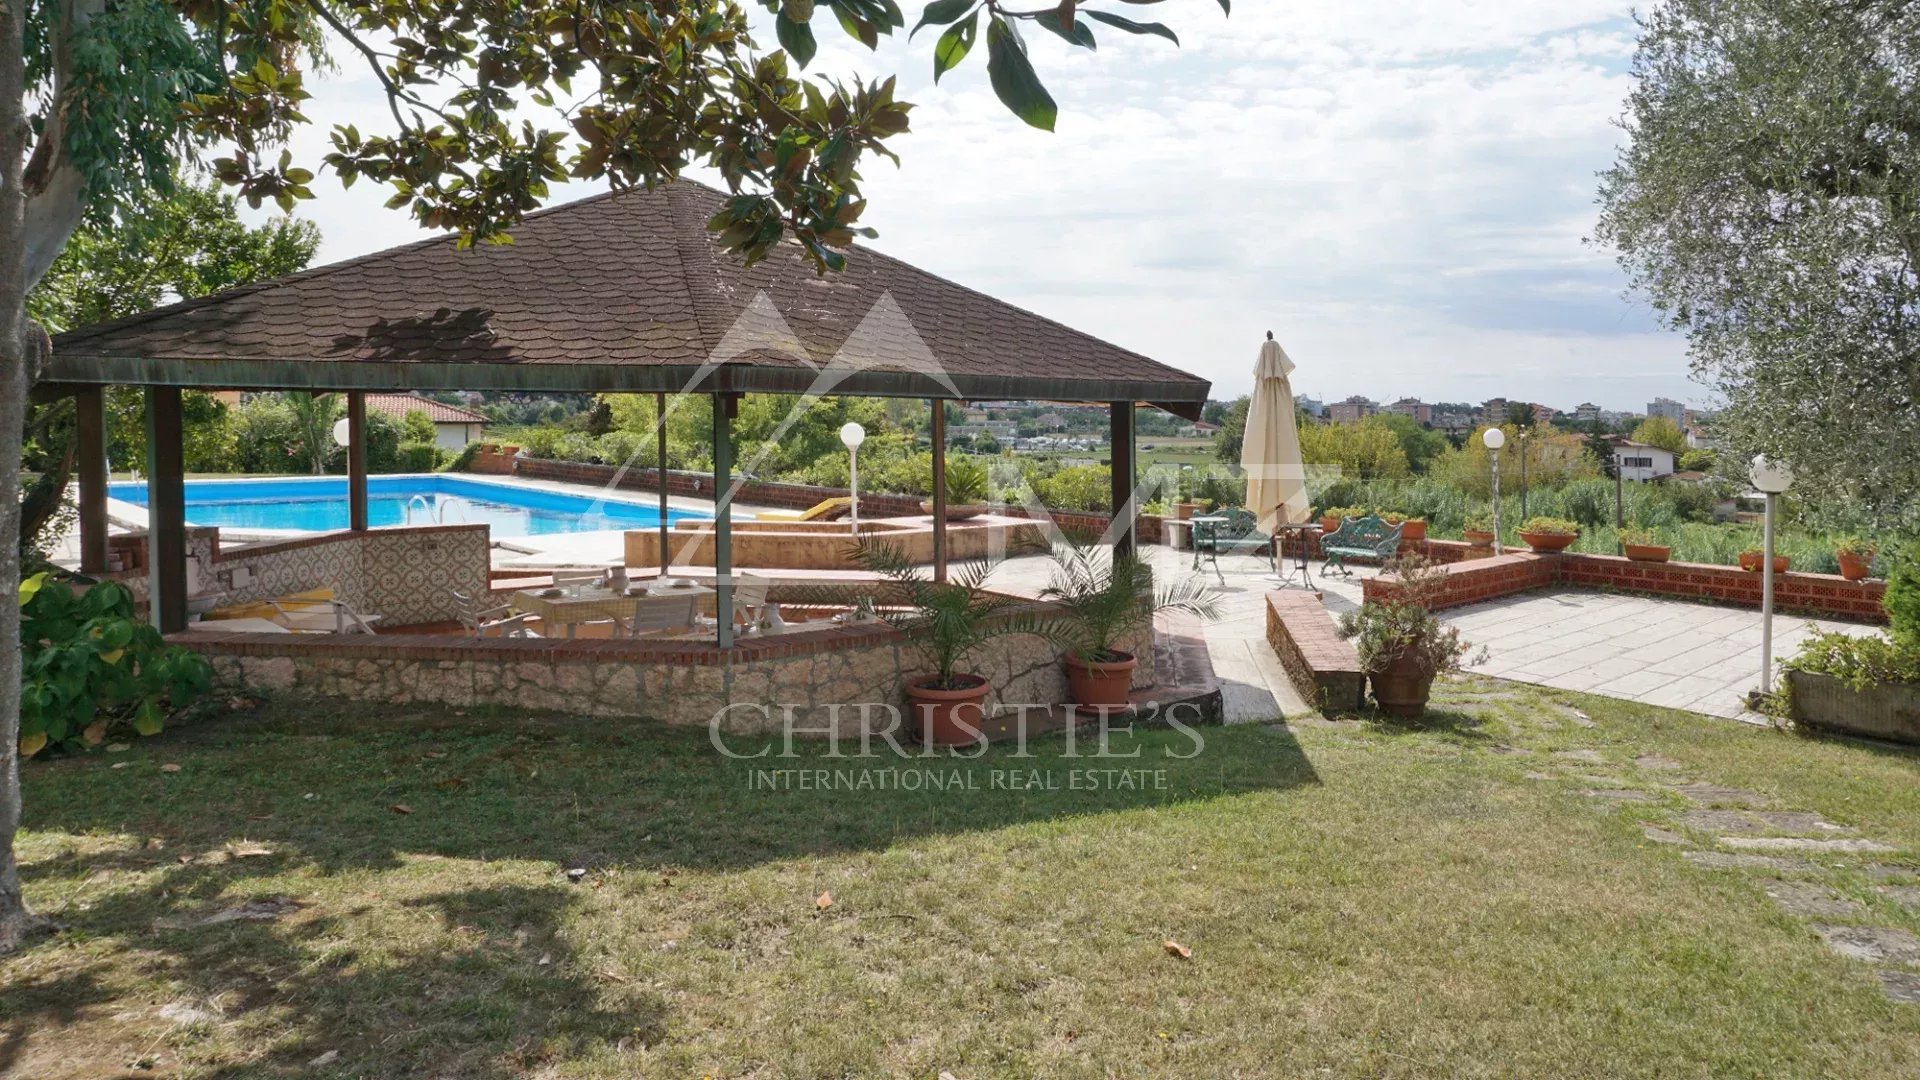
[(625, 290)]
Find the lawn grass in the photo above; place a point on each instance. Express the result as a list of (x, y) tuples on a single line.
[(1360, 900)]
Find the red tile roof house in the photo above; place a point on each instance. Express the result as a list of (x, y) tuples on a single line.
[(453, 426), (622, 292)]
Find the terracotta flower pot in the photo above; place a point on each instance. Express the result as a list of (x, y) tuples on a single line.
[(1478, 538), (948, 717), (1401, 687), (1751, 560), (956, 513), (1549, 541), (1648, 552), (1185, 511), (1329, 524), (1101, 684), (1414, 529), (1853, 567)]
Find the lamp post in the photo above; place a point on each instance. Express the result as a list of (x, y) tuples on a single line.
[(851, 436), (1494, 440), (1522, 436), (1771, 478)]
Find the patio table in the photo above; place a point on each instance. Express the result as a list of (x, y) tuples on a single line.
[(580, 604)]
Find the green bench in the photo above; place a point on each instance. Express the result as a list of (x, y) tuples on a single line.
[(1234, 529), (1359, 538)]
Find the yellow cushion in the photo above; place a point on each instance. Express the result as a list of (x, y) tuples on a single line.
[(262, 609)]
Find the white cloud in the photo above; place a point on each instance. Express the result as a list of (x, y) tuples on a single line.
[(1399, 191)]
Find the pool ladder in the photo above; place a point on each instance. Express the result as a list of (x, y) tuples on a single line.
[(436, 514)]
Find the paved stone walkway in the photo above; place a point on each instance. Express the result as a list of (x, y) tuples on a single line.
[(1824, 872)]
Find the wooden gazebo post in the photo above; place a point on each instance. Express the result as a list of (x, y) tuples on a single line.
[(723, 405), (357, 460), (660, 439), (90, 431), (1120, 434), (166, 512), (939, 430)]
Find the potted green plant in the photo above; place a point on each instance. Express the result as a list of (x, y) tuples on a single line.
[(1102, 599), (1478, 530), (944, 621), (1411, 528), (1856, 557), (1184, 505), (966, 489), (1402, 645), (1753, 559), (1641, 545), (1337, 516), (1549, 534)]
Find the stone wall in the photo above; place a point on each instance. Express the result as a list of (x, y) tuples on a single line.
[(1324, 667), (815, 545), (678, 682)]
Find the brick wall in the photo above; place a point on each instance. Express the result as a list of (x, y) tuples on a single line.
[(1824, 595), (1324, 666)]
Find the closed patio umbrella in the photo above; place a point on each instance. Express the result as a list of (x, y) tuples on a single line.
[(1270, 451)]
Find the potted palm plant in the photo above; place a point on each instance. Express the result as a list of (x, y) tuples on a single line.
[(944, 621), (1549, 534), (1102, 599), (1641, 545), (1402, 646), (966, 489)]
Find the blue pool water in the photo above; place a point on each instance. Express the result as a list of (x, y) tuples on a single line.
[(319, 504)]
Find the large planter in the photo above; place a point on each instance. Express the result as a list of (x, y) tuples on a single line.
[(1101, 684), (1402, 687), (1853, 567), (1478, 538), (1881, 711), (1753, 560), (1648, 552), (1549, 541), (956, 513), (948, 717), (1329, 524), (1415, 529), (1185, 511)]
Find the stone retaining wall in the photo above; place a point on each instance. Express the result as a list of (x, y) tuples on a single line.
[(1324, 667)]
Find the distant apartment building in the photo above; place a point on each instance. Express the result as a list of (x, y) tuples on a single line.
[(1638, 461), (1543, 414), (1586, 413), (1454, 422), (1311, 406), (1494, 411), (1420, 411), (1669, 408), (1353, 410)]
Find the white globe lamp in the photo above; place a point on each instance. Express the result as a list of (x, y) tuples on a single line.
[(1772, 478), (342, 432), (851, 436), (1494, 440)]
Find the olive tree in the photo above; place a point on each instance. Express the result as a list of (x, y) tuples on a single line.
[(486, 105), (1767, 203)]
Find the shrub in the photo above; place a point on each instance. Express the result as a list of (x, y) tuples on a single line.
[(1637, 536), (1345, 512), (1550, 526), (464, 459), (90, 668), (1902, 599), (418, 427), (419, 457), (1856, 547), (1077, 487), (1478, 523), (1404, 627), (1589, 502), (1858, 661), (966, 481), (383, 444)]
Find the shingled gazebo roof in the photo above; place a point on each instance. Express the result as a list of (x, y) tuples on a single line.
[(622, 291)]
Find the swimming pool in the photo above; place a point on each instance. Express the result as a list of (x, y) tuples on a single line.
[(319, 504)]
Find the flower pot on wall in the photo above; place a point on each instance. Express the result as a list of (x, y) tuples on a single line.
[(1401, 687), (956, 513), (1185, 511), (1648, 552), (1751, 560), (947, 717), (1549, 541), (1478, 538), (1414, 529), (1104, 684), (1329, 524), (1854, 567)]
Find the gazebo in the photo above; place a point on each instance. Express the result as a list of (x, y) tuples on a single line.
[(621, 292)]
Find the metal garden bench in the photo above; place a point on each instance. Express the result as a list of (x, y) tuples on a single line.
[(1233, 529), (1359, 538)]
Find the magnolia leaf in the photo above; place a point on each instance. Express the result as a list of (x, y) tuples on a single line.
[(31, 586), (113, 656), (95, 733), (823, 901), (1014, 79), (32, 744), (954, 45), (796, 38), (147, 721), (1176, 949), (940, 13), (1132, 27), (401, 808)]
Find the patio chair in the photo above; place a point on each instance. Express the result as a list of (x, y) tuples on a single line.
[(663, 615), (749, 600), (321, 617), (1240, 532), (577, 577), (495, 621)]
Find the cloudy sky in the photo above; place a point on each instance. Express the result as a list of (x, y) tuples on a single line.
[(1399, 191)]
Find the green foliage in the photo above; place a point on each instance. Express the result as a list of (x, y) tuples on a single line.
[(943, 620), (1102, 599), (1422, 446), (1551, 526), (1700, 460), (1856, 546), (1077, 487), (1368, 449), (1405, 628), (313, 417), (1636, 536), (383, 447), (1228, 440), (1902, 598), (419, 457), (90, 668), (1860, 662), (417, 427), (966, 481), (1662, 432), (1345, 512)]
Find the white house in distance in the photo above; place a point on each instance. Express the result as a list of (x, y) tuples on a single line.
[(1638, 461), (453, 426)]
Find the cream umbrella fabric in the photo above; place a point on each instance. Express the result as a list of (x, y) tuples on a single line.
[(1270, 451)]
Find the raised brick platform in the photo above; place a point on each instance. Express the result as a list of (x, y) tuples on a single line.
[(1324, 666)]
